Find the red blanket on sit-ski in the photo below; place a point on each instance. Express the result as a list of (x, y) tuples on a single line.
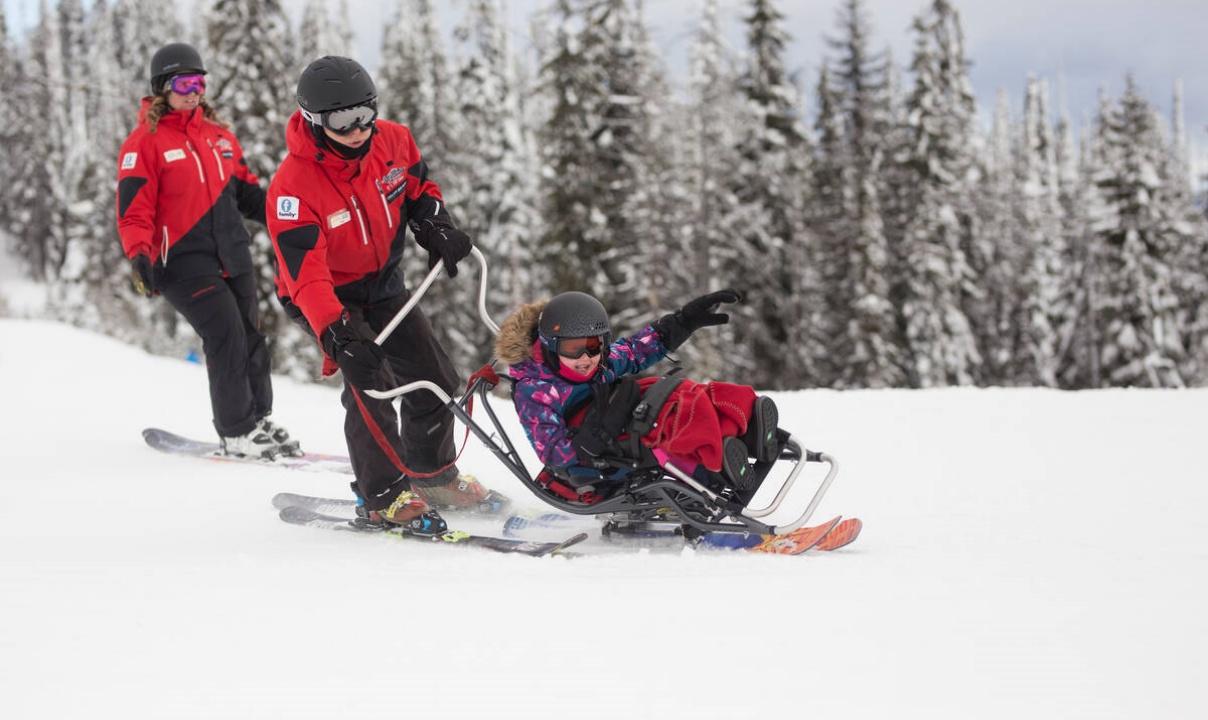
[(695, 419)]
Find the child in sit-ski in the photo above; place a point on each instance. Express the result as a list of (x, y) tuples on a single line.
[(574, 399)]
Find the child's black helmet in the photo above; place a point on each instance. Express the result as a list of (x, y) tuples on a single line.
[(572, 315)]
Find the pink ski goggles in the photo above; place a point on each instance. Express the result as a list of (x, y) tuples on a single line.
[(188, 84)]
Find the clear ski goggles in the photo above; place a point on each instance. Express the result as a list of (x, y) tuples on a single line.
[(188, 84), (575, 348), (346, 120)]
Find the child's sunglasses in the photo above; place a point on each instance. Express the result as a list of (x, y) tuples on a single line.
[(574, 348), (188, 84)]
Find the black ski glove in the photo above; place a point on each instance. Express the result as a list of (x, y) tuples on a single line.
[(142, 275), (607, 418), (443, 242), (674, 328), (350, 344)]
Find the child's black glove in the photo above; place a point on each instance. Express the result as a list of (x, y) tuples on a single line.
[(607, 418), (674, 328)]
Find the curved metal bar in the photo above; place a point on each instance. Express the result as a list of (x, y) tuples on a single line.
[(809, 510), (411, 387), (798, 466), (427, 283)]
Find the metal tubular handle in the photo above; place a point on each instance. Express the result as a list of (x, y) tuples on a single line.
[(427, 283), (412, 302)]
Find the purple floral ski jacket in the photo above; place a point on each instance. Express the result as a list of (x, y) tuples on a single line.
[(542, 396)]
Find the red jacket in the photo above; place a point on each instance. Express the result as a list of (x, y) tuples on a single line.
[(338, 226), (182, 194)]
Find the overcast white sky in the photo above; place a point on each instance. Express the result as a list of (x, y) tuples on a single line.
[(1080, 45)]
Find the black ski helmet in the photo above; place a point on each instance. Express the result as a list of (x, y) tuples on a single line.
[(331, 83), (572, 315), (174, 59)]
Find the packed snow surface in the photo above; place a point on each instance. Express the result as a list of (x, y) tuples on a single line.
[(1026, 553)]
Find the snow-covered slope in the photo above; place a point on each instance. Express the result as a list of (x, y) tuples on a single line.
[(1026, 552)]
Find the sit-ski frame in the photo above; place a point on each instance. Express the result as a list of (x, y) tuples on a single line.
[(642, 494)]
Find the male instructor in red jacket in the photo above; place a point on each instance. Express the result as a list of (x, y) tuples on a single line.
[(338, 209)]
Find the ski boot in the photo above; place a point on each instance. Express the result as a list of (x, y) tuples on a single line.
[(761, 437), (409, 512), (461, 492), (286, 445), (734, 465), (255, 443)]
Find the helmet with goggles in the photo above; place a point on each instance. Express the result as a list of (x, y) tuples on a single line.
[(571, 324), (337, 93), (172, 60)]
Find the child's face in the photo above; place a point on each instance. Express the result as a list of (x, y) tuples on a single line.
[(582, 355), (584, 364)]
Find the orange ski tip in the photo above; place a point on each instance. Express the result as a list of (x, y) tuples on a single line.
[(843, 534), (797, 541)]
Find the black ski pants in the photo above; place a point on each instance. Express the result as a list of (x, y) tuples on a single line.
[(224, 313), (379, 445)]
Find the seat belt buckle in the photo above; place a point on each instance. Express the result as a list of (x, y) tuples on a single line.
[(640, 411)]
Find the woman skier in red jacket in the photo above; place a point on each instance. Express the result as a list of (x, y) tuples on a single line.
[(338, 210), (183, 191)]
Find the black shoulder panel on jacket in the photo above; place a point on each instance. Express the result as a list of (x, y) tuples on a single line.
[(294, 244), (126, 190)]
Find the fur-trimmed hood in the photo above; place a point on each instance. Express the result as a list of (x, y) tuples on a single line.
[(514, 344)]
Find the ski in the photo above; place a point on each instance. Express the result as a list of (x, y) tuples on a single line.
[(797, 541), (493, 505), (831, 535), (173, 444), (295, 515)]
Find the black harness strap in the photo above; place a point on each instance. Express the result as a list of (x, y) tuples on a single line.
[(646, 413)]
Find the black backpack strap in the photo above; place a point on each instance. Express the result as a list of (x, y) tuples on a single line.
[(646, 413)]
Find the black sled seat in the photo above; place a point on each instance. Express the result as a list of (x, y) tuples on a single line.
[(631, 490)]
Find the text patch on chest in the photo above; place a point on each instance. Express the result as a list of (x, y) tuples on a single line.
[(338, 218)]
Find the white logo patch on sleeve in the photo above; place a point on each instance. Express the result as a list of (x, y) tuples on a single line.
[(174, 154), (129, 160), (336, 219), (287, 208)]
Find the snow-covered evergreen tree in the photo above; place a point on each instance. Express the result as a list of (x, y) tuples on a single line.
[(994, 256), (568, 185), (710, 122), (769, 183), (10, 155), (1074, 196), (413, 83), (864, 326), (104, 299), (323, 33), (142, 27), (938, 282), (1136, 306), (38, 223), (661, 201), (621, 225), (1038, 314), (499, 176)]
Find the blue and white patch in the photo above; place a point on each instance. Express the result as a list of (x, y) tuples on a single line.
[(129, 160), (287, 208)]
